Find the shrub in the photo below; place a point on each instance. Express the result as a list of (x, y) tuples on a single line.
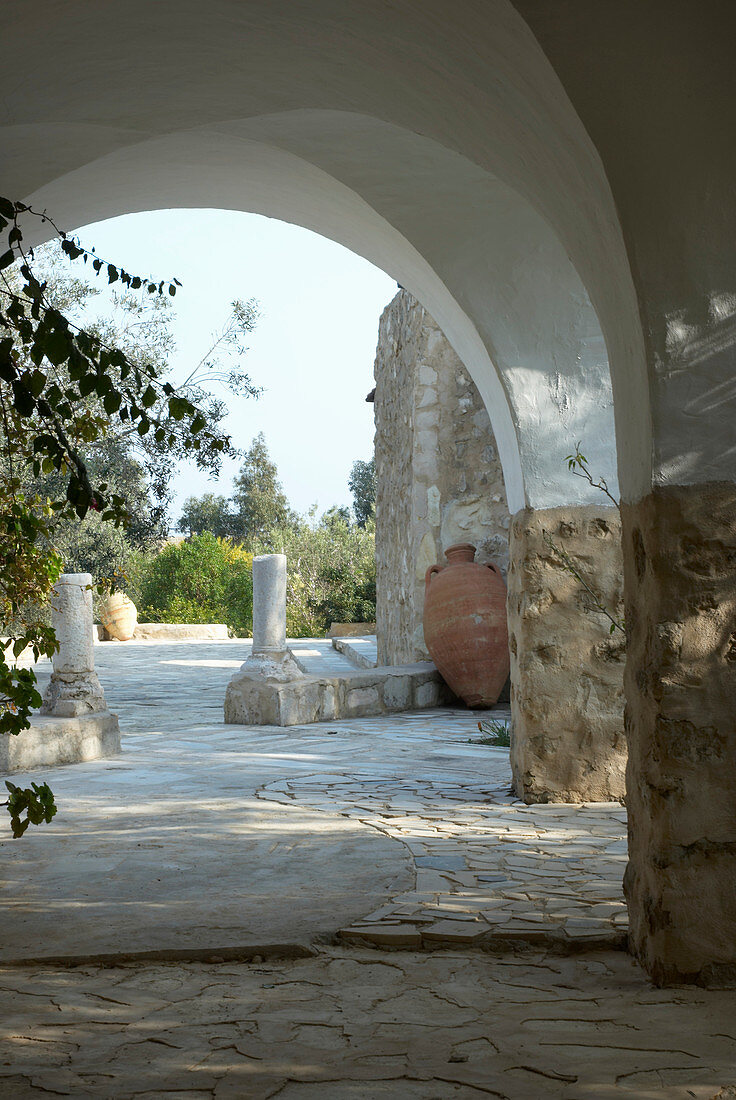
[(202, 580)]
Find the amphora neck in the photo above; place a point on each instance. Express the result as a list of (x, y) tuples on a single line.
[(462, 551)]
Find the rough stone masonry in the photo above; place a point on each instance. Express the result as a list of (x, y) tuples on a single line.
[(437, 468), (440, 481)]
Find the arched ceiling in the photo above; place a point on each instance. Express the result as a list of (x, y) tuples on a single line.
[(448, 156)]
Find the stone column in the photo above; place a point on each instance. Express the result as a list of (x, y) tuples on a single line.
[(567, 705), (254, 694), (270, 657), (74, 689), (269, 605), (680, 884)]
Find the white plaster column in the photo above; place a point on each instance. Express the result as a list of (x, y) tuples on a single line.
[(74, 689)]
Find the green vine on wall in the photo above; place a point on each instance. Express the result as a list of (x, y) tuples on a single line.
[(577, 463)]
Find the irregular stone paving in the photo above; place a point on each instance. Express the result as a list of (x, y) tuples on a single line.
[(398, 831), (167, 846), (487, 867), (351, 1024)]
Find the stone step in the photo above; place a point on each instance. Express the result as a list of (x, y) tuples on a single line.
[(361, 652)]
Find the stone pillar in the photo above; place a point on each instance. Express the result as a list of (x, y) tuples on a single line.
[(254, 694), (270, 659), (680, 884), (74, 689), (567, 704), (269, 605)]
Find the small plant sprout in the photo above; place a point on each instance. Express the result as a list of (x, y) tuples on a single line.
[(577, 463), (493, 732)]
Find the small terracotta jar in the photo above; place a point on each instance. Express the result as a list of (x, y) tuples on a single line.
[(465, 625), (119, 616)]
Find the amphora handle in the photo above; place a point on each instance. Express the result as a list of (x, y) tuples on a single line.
[(428, 575)]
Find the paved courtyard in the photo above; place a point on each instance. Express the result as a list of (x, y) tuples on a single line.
[(239, 911)]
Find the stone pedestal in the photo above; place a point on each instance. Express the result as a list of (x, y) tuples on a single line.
[(568, 741), (74, 689), (680, 560)]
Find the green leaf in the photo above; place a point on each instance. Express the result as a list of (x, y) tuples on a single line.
[(149, 397), (56, 347), (24, 400), (7, 208), (7, 259), (87, 385), (36, 382), (179, 407)]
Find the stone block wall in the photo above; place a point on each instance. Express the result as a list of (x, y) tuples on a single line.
[(438, 473), (567, 703), (680, 560)]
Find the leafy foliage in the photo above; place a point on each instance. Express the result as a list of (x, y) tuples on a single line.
[(63, 389), (259, 502), (40, 341), (202, 580), (331, 570), (493, 732), (362, 484), (36, 801), (210, 512), (577, 464)]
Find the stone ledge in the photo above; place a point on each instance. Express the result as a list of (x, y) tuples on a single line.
[(351, 630), (52, 741), (364, 693), (400, 937), (361, 652), (171, 632)]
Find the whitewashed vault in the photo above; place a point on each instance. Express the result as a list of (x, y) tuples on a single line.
[(555, 184)]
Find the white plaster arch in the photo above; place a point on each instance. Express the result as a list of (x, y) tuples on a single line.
[(448, 155)]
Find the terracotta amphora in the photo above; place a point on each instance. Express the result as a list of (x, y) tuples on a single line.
[(119, 616), (465, 625)]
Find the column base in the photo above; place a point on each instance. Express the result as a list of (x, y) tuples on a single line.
[(52, 741), (277, 665), (73, 694)]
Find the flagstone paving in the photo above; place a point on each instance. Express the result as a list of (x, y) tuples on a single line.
[(352, 1024), (227, 844), (397, 831), (488, 868)]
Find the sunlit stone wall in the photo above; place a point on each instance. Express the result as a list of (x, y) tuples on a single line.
[(438, 472)]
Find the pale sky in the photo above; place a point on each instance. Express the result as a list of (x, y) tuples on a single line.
[(312, 350)]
